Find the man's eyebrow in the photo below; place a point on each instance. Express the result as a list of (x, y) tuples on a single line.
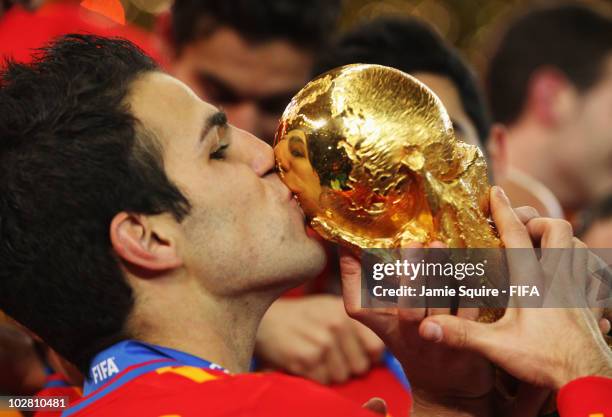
[(217, 119)]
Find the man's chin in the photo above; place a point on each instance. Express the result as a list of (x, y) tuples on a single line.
[(314, 254)]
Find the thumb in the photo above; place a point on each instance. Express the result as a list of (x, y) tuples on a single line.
[(376, 405), (460, 333), (350, 272)]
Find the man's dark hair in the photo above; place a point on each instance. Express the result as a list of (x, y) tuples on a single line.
[(409, 45), (574, 39), (307, 24), (72, 157)]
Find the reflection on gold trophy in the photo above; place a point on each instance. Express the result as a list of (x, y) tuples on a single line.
[(371, 155)]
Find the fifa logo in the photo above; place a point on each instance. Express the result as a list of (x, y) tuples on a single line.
[(104, 370)]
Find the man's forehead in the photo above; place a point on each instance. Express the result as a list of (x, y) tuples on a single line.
[(166, 106), (257, 68)]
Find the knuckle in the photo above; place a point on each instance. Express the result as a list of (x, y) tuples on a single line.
[(309, 359), (515, 229), (296, 368), (339, 374), (355, 312), (376, 348), (340, 378), (462, 337), (527, 210), (360, 366), (326, 342), (563, 225), (336, 324)]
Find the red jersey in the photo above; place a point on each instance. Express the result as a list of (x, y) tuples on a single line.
[(590, 396), (378, 382), (188, 391)]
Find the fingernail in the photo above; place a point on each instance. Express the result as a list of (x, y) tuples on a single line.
[(432, 331), (500, 193)]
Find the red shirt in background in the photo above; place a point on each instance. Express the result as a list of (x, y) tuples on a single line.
[(22, 31)]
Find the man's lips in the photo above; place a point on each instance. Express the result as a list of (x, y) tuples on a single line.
[(296, 203), (286, 195)]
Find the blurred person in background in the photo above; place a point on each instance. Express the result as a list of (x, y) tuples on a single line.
[(5, 5), (248, 57), (31, 24), (29, 367), (596, 225), (550, 84), (22, 370)]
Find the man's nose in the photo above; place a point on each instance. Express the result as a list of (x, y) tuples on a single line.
[(256, 153)]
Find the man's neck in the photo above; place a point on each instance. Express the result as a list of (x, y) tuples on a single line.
[(219, 331)]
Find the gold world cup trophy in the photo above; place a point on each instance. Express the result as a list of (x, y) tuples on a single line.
[(370, 153)]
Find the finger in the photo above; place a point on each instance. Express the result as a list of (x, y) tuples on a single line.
[(319, 336), (564, 267), (439, 254), (459, 333), (377, 406), (578, 283), (356, 357), (412, 308), (319, 374), (337, 367), (604, 326), (468, 313), (526, 213), (372, 344), (303, 357), (511, 229), (551, 233), (438, 311), (350, 272), (523, 264), (598, 284)]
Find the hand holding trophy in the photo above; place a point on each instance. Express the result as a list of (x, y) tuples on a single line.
[(369, 152)]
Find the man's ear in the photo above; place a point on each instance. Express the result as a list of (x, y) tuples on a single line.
[(498, 152), (548, 96), (145, 241)]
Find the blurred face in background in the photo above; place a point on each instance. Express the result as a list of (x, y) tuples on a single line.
[(599, 235), (584, 141), (251, 82)]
